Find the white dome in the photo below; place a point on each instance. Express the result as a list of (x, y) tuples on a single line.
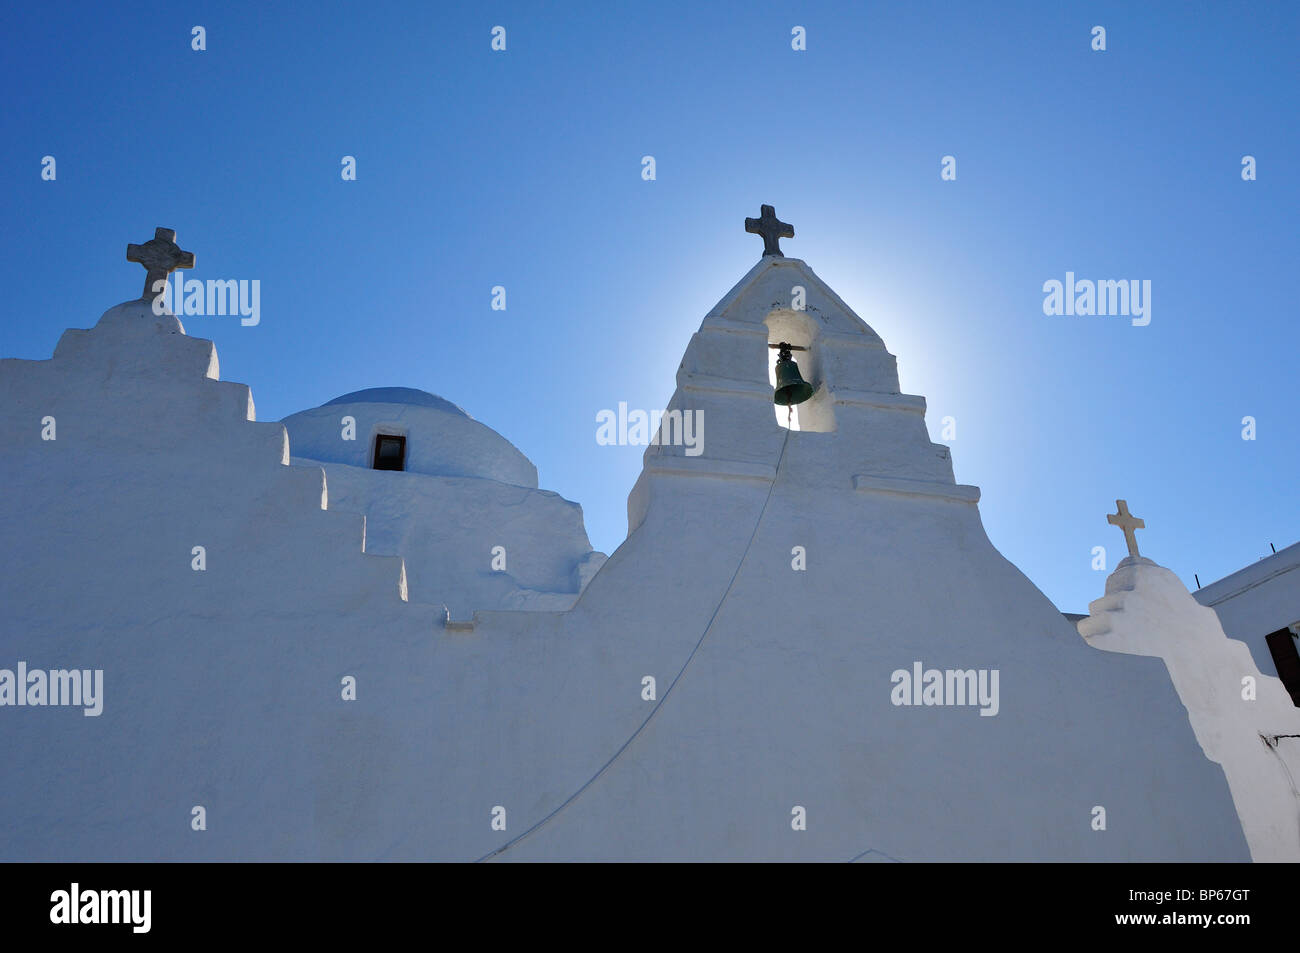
[(397, 395), (441, 439)]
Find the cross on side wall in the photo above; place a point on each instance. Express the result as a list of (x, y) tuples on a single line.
[(1128, 523)]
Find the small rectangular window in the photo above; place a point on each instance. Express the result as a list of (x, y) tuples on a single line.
[(1282, 645), (390, 452)]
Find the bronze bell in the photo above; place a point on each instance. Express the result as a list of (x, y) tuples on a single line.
[(791, 388)]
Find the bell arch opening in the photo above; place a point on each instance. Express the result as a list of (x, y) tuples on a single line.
[(816, 414)]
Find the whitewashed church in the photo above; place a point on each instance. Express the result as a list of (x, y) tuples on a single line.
[(366, 633)]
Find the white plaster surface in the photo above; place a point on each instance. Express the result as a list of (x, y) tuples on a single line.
[(1256, 600), (465, 492), (222, 688), (1254, 732), (442, 440)]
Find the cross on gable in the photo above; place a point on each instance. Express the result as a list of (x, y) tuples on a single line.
[(772, 230), (160, 257), (1128, 523)]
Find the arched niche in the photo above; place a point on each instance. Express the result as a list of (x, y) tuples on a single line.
[(817, 414)]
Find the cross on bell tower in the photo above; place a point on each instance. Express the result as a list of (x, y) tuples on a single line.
[(160, 257), (1128, 523), (772, 229)]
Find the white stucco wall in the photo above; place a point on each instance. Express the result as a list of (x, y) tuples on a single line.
[(1256, 600), (222, 686), (1243, 719), (452, 531), (773, 685), (466, 503), (779, 681)]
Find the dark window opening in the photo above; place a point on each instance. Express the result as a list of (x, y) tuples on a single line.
[(1282, 644), (390, 452)]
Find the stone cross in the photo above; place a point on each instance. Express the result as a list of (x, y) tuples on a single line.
[(1128, 523), (772, 230), (160, 257)]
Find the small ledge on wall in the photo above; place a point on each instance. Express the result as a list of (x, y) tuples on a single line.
[(901, 486), (457, 625)]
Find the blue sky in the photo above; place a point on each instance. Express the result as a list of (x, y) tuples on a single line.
[(522, 169)]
